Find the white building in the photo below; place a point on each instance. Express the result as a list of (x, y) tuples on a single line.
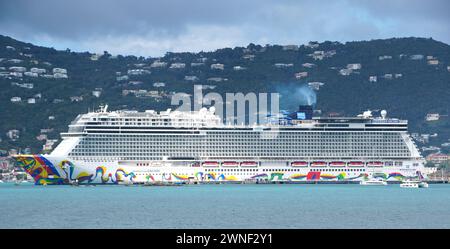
[(432, 117), (17, 69), (384, 57), (59, 70), (122, 78), (16, 99), (16, 74), (31, 74), (191, 78), (217, 66), (177, 65), (13, 134), (217, 79), (354, 66), (372, 78), (308, 65), (137, 71), (283, 65), (159, 84), (238, 68), (315, 85), (416, 57), (38, 70), (301, 75), (96, 93), (31, 101), (345, 71), (15, 61), (248, 56), (158, 64), (433, 62), (76, 98), (60, 76), (388, 76)]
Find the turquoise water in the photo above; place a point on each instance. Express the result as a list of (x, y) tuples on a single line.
[(224, 206)]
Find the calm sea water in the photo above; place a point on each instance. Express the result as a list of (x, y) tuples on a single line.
[(224, 206)]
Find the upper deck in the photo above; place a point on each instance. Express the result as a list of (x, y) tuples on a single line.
[(103, 121)]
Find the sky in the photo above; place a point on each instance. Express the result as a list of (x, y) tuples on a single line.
[(154, 27)]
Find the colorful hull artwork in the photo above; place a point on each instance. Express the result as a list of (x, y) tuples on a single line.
[(46, 172)]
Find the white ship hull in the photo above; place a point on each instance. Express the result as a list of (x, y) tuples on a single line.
[(55, 170)]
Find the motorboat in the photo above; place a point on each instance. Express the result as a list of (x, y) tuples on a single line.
[(374, 182)]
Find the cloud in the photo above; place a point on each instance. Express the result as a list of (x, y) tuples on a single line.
[(150, 28)]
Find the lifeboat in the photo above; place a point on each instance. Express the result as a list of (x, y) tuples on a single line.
[(318, 164), (249, 164), (299, 164), (337, 164), (355, 164), (230, 164), (210, 164), (375, 164)]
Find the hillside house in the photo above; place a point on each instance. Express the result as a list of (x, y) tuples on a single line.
[(137, 71), (13, 134), (17, 69), (16, 74), (354, 66), (416, 57), (76, 98), (59, 70), (432, 117), (177, 65), (60, 76), (308, 65), (438, 158), (31, 101), (283, 65), (158, 64), (372, 78), (217, 66), (433, 62), (16, 99), (15, 61), (239, 68), (96, 93), (345, 71), (301, 75), (159, 84), (248, 56), (315, 85), (384, 57), (31, 74), (122, 78), (192, 78), (388, 76), (216, 79)]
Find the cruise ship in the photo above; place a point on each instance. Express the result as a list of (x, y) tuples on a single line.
[(114, 147)]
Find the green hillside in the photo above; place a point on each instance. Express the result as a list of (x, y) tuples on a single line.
[(413, 79)]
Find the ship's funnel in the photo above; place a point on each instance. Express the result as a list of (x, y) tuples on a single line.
[(305, 112)]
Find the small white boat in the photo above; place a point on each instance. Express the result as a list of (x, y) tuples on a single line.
[(409, 184), (373, 182), (423, 185)]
